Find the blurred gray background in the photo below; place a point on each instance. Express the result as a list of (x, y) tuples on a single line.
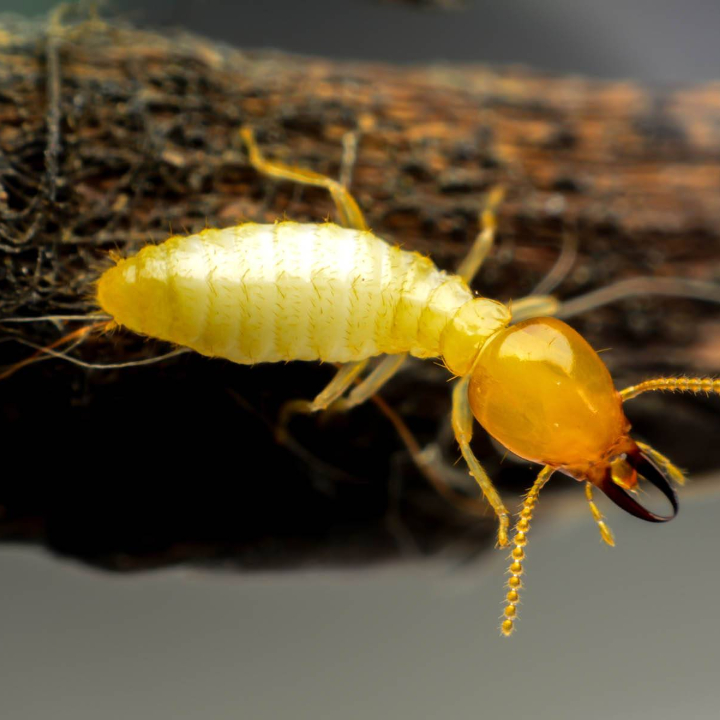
[(624, 633), (658, 41)]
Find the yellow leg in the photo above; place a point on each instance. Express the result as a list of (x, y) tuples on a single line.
[(87, 22), (348, 210), (632, 287), (534, 306), (331, 396), (518, 552), (385, 370), (368, 388), (349, 157), (559, 271), (462, 421), (343, 379), (426, 465), (605, 531), (539, 303), (470, 265)]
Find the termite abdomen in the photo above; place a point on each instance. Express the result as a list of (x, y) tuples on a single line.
[(291, 291)]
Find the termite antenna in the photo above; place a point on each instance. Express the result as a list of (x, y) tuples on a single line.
[(78, 335), (670, 384), (54, 318), (518, 552)]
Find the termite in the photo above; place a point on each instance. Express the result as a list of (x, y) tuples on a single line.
[(337, 293)]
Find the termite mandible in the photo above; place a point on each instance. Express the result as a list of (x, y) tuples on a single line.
[(338, 293)]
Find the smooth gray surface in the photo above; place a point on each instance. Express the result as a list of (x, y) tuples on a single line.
[(659, 41), (624, 633)]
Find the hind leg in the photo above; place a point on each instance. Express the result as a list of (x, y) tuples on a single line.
[(348, 210), (540, 303)]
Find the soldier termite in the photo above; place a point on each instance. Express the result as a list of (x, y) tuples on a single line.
[(337, 293)]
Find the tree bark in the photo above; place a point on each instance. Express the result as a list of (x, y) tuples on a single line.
[(112, 137)]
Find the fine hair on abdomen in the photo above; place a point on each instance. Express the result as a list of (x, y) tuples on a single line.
[(289, 291)]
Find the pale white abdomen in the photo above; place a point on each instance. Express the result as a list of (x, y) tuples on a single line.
[(289, 291)]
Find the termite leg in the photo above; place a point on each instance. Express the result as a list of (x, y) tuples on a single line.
[(537, 305), (348, 210), (518, 552), (640, 286), (343, 379), (479, 250), (425, 464), (350, 216), (534, 306), (462, 418), (605, 531), (559, 271), (58, 28), (385, 370), (349, 158), (540, 303), (462, 422)]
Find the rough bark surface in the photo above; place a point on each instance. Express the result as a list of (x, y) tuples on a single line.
[(111, 137)]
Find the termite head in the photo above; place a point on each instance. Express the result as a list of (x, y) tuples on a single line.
[(545, 394)]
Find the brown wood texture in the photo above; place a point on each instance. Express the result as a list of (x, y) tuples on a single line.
[(112, 137)]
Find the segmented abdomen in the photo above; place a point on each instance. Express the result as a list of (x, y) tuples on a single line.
[(289, 291)]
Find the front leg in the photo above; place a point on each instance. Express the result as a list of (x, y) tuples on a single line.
[(462, 422)]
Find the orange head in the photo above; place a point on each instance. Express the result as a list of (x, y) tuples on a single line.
[(545, 394)]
